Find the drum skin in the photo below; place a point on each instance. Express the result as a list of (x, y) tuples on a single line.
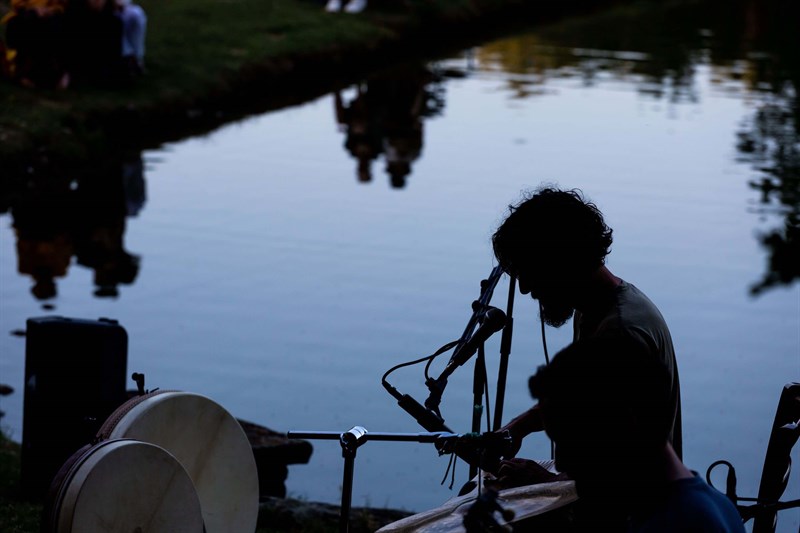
[(210, 444), (124, 485), (528, 503)]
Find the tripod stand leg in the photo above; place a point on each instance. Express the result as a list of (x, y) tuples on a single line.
[(347, 490)]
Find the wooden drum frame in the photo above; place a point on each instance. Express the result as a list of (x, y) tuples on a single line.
[(210, 444), (122, 485)]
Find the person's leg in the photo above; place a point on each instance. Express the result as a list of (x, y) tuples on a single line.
[(134, 28), (355, 6), (333, 6)]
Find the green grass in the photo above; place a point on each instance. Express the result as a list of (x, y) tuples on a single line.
[(16, 516), (195, 48), (200, 52)]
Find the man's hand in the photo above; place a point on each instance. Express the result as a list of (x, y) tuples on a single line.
[(520, 472), (528, 422)]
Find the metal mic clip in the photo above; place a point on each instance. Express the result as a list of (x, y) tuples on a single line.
[(436, 388)]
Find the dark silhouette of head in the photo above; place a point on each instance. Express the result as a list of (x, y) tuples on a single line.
[(44, 287), (120, 267), (606, 404), (552, 241), (398, 171)]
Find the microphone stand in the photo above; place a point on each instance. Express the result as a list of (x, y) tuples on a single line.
[(353, 439), (505, 352), (487, 290), (480, 376), (479, 307), (429, 416), (478, 385)]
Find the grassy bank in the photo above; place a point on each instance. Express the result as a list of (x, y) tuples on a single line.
[(275, 515), (197, 51), (209, 62), (16, 516)]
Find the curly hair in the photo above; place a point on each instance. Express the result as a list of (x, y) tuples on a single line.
[(561, 227)]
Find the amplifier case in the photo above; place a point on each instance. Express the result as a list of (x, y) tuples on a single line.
[(75, 375)]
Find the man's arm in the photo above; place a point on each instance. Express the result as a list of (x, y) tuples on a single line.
[(523, 425)]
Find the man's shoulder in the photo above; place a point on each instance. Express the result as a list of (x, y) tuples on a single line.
[(706, 506), (692, 505), (626, 309), (634, 316), (629, 295), (632, 310)]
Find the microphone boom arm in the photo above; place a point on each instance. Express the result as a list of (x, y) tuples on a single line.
[(493, 320)]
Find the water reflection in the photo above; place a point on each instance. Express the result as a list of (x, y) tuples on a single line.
[(771, 142), (56, 218), (385, 115), (754, 47), (751, 51), (636, 45), (770, 139), (285, 269)]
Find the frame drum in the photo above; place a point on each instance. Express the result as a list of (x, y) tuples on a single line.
[(210, 444), (123, 485), (527, 503)]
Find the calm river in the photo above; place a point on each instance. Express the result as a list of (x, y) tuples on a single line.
[(264, 266)]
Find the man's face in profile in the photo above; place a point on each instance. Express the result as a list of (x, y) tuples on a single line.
[(551, 290)]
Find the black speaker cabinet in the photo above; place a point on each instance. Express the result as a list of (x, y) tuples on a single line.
[(75, 375)]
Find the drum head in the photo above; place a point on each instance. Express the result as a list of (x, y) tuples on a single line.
[(526, 502), (126, 485), (208, 442)]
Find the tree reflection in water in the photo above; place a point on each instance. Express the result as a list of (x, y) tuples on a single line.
[(747, 43), (770, 139), (771, 142)]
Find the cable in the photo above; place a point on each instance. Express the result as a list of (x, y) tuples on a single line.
[(428, 358), (449, 466), (453, 472), (730, 480), (547, 361), (544, 337), (747, 511), (488, 407), (439, 352)]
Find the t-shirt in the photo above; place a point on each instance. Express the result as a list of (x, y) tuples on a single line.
[(631, 313), (690, 505)]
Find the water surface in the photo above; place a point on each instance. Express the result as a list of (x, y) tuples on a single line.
[(261, 266)]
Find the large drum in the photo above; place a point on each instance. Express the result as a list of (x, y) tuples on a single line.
[(207, 441), (122, 485), (530, 504)]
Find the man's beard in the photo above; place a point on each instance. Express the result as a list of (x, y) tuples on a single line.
[(556, 314)]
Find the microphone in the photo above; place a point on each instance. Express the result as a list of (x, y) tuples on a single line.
[(493, 321)]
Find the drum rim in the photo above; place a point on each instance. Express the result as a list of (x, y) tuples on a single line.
[(119, 423), (75, 462), (452, 505), (53, 498), (119, 413), (90, 452)]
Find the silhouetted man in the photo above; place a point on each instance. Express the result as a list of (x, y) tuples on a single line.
[(555, 243), (607, 405)]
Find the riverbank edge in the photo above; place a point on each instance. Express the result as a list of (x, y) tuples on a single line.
[(286, 515), (276, 82)]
